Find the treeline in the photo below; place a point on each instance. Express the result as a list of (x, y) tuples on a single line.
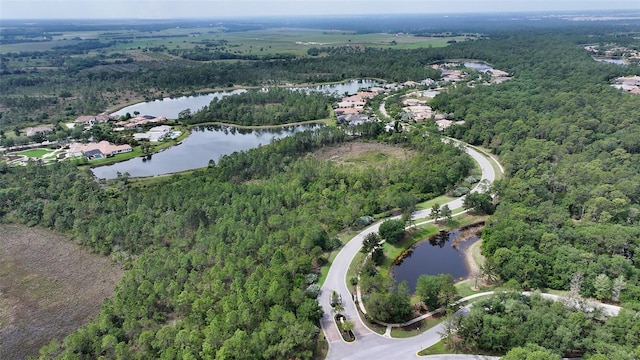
[(219, 264), (205, 54), (272, 106), (83, 46), (96, 86)]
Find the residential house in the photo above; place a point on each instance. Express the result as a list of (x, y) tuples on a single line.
[(141, 120), (350, 104), (104, 147), (347, 111), (498, 73), (420, 112), (94, 154), (154, 134), (89, 120), (410, 83), (366, 94), (427, 82), (452, 75), (353, 119), (377, 90), (353, 99), (413, 102)]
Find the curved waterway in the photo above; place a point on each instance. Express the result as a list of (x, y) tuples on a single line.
[(171, 107), (205, 143), (433, 256)]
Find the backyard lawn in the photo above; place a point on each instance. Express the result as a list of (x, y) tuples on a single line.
[(35, 153)]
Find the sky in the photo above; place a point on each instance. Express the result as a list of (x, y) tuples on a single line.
[(175, 9)]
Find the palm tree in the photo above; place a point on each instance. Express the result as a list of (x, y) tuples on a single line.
[(435, 212)]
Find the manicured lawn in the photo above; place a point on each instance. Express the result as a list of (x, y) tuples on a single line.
[(435, 349), (439, 200), (35, 153), (417, 328), (464, 288)]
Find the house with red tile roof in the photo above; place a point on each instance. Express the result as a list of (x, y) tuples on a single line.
[(104, 148)]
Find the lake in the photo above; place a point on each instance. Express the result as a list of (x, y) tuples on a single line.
[(434, 256), (172, 107), (205, 143)]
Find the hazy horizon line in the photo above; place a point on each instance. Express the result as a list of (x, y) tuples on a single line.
[(628, 13)]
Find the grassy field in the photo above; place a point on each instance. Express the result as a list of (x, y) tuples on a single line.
[(35, 153), (361, 154), (417, 328), (256, 42), (48, 288)]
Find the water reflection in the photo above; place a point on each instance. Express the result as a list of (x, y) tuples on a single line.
[(439, 239), (172, 106), (204, 144), (435, 255)]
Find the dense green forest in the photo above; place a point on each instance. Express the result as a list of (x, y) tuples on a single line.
[(273, 106), (570, 146), (511, 320), (36, 97), (570, 205), (219, 258)]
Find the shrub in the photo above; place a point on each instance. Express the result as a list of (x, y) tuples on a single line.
[(312, 291), (460, 191)]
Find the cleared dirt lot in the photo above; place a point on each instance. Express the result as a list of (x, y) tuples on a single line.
[(48, 288)]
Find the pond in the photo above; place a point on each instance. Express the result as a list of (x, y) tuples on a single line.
[(611, 61), (171, 107), (434, 256), (478, 66), (205, 143)]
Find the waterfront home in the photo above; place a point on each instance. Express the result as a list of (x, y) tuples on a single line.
[(89, 120), (155, 134), (105, 148)]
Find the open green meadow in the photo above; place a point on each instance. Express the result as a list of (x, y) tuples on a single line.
[(255, 42), (35, 153)]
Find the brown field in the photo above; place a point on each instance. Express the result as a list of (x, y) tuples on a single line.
[(363, 154), (48, 288)]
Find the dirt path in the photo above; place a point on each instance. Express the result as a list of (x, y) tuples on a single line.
[(48, 288)]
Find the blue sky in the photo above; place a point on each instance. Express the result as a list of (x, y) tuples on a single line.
[(171, 9)]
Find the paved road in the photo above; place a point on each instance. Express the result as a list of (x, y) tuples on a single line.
[(370, 345)]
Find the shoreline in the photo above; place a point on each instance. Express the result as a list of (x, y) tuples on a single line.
[(472, 264), (206, 91)]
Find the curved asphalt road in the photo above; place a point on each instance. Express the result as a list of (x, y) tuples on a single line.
[(368, 344)]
